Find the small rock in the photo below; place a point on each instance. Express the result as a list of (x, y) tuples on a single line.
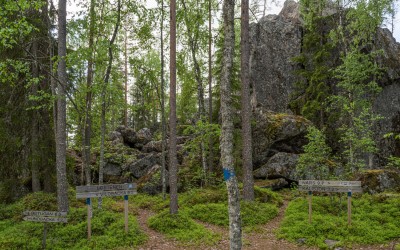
[(301, 241), (331, 243)]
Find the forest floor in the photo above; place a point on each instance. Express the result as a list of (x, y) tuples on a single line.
[(264, 238)]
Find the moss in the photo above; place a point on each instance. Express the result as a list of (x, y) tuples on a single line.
[(182, 228), (374, 221)]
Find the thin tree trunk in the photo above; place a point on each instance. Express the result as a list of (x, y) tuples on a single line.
[(47, 186), (62, 183), (88, 115), (248, 181), (103, 96), (126, 78), (226, 141), (265, 7), (173, 162), (163, 122), (210, 143), (34, 133)]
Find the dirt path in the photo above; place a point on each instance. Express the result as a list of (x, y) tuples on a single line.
[(260, 240), (263, 239), (266, 238), (156, 240)]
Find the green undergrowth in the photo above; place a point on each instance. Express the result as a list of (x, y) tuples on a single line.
[(156, 203), (107, 226), (252, 213), (375, 220), (182, 228), (210, 205)]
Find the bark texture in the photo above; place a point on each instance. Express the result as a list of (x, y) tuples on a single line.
[(173, 162), (88, 115), (61, 139), (248, 181), (35, 169), (163, 121), (210, 143), (227, 161)]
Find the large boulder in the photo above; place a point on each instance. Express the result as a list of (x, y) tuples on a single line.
[(116, 137), (387, 104), (375, 181), (143, 136), (277, 132), (274, 41), (281, 165), (128, 135), (132, 138), (156, 146), (142, 166)]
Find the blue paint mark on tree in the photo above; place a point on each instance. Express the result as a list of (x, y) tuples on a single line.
[(228, 174)]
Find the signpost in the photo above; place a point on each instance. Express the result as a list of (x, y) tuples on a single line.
[(108, 190), (328, 186), (45, 216)]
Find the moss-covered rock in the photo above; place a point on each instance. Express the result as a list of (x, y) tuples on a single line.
[(277, 132), (379, 180)]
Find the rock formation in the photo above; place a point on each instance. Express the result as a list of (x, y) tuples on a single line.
[(275, 41)]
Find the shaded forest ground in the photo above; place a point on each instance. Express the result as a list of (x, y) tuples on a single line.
[(202, 222)]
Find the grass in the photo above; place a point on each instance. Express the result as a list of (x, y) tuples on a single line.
[(107, 226), (209, 205), (375, 220), (182, 228), (252, 214)]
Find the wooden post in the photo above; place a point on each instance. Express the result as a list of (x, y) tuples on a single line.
[(349, 208), (309, 206), (44, 235), (126, 212), (89, 217)]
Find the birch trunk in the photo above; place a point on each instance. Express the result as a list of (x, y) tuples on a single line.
[(226, 140)]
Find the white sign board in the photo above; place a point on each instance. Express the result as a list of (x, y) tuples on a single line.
[(331, 189), (327, 183), (107, 187), (105, 194), (46, 219)]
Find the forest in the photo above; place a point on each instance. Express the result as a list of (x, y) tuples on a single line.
[(196, 124)]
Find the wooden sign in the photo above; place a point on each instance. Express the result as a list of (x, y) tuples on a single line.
[(46, 219), (46, 213), (105, 194), (328, 186), (45, 216), (329, 189), (107, 190), (329, 183), (107, 187)]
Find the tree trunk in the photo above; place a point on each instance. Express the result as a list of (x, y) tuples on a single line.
[(173, 162), (210, 142), (103, 96), (35, 128), (248, 182), (88, 115), (226, 141), (62, 183), (126, 78), (163, 122)]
